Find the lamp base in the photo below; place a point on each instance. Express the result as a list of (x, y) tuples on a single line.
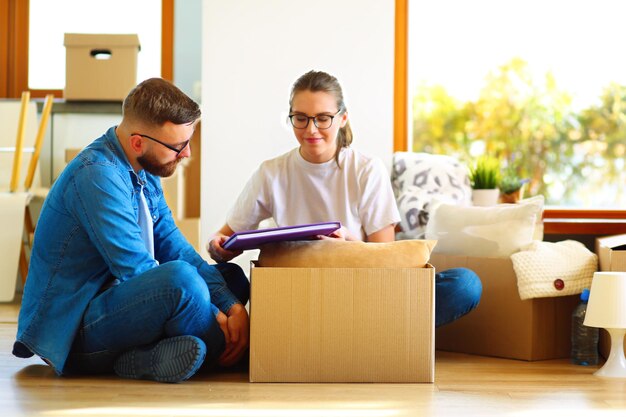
[(615, 366)]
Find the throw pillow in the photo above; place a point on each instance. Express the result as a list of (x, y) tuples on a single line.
[(539, 201), (417, 178), (346, 254), (496, 231)]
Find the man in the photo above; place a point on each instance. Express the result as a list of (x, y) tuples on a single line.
[(113, 285)]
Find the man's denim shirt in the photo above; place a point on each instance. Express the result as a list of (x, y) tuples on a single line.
[(88, 235)]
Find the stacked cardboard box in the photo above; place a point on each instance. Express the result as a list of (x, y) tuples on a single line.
[(611, 251), (503, 325), (100, 67)]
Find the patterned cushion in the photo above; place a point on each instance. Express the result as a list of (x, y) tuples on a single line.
[(417, 178)]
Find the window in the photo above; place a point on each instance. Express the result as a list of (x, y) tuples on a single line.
[(540, 84), (14, 40), (49, 20)]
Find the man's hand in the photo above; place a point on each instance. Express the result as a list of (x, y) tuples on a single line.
[(236, 333), (218, 253), (222, 320)]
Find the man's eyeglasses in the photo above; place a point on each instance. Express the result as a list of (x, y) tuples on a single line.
[(177, 150), (321, 121)]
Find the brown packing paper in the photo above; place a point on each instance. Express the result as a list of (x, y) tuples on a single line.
[(347, 254)]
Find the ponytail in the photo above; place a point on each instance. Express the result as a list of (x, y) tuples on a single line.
[(344, 139)]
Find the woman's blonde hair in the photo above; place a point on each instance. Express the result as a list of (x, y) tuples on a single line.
[(315, 81)]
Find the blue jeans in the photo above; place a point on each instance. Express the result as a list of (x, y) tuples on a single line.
[(169, 300), (457, 292)]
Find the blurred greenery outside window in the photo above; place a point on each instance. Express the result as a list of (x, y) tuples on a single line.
[(568, 138)]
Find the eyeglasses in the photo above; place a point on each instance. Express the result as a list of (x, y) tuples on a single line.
[(177, 150), (321, 121)]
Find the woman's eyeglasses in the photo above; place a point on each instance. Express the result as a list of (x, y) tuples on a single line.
[(321, 121)]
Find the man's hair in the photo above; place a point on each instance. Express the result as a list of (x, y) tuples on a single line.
[(157, 101)]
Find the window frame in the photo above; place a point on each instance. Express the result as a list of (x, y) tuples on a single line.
[(14, 28), (556, 220)]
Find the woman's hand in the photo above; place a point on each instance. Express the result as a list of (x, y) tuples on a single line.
[(215, 249), (218, 253), (340, 234)]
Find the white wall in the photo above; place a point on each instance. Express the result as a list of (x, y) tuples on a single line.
[(254, 50), (188, 46), (74, 131)]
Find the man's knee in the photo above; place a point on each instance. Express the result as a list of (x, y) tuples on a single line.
[(181, 277)]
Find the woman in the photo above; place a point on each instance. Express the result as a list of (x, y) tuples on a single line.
[(324, 179)]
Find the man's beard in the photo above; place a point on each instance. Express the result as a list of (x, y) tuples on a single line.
[(150, 164)]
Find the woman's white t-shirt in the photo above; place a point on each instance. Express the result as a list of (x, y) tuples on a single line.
[(294, 191)]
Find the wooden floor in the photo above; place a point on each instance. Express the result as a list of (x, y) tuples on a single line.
[(465, 385)]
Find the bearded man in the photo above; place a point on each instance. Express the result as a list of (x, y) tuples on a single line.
[(113, 286)]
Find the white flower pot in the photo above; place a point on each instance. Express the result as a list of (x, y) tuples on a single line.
[(485, 197)]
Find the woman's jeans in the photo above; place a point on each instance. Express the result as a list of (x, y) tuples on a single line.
[(457, 292), (169, 300)]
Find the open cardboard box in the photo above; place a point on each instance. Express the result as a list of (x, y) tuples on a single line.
[(611, 251), (342, 324), (503, 325)]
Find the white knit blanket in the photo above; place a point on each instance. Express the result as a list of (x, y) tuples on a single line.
[(546, 269)]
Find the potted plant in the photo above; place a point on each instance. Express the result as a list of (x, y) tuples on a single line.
[(511, 187), (485, 177)]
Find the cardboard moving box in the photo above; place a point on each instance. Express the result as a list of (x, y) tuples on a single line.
[(342, 324), (611, 251), (100, 67), (503, 325)]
